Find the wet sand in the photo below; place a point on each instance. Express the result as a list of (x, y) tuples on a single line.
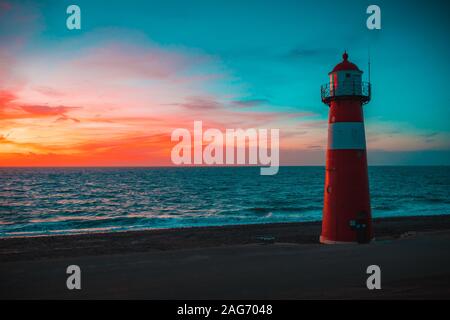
[(232, 263)]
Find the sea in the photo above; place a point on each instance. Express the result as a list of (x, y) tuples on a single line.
[(48, 201)]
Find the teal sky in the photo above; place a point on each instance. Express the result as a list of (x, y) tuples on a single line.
[(278, 53), (283, 50)]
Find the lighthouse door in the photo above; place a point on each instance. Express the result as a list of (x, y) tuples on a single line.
[(360, 226)]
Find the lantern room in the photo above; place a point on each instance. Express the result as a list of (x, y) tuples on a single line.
[(346, 82)]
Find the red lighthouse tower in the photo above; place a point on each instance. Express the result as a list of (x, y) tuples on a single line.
[(346, 212)]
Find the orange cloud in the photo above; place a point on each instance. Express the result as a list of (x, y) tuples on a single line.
[(36, 110)]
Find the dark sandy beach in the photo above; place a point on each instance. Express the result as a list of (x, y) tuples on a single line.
[(232, 262)]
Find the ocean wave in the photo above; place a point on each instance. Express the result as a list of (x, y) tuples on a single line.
[(67, 200), (261, 210)]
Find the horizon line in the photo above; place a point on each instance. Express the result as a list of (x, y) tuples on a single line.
[(222, 166)]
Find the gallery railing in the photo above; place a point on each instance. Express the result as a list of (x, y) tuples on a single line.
[(356, 89)]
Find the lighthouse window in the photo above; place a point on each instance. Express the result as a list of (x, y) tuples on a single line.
[(347, 75)]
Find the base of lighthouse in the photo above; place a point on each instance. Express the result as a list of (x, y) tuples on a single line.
[(346, 213), (325, 240)]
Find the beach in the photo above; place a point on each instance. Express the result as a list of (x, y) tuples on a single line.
[(262, 261)]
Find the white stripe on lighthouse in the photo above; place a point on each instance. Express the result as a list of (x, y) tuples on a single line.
[(346, 135)]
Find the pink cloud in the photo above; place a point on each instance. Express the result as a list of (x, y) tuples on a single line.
[(48, 91), (46, 110), (4, 7), (6, 97), (122, 61)]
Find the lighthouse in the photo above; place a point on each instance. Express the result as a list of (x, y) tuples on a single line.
[(346, 211)]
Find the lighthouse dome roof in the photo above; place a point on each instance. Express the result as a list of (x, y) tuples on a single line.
[(345, 64)]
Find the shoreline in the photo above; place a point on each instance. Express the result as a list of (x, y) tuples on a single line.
[(135, 241), (201, 227)]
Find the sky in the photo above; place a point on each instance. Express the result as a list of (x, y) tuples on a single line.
[(111, 93)]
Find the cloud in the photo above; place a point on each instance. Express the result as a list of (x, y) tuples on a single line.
[(402, 137), (4, 7), (18, 22), (36, 110), (66, 118), (124, 61), (10, 108), (6, 97), (251, 103), (10, 146), (200, 104), (48, 91)]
